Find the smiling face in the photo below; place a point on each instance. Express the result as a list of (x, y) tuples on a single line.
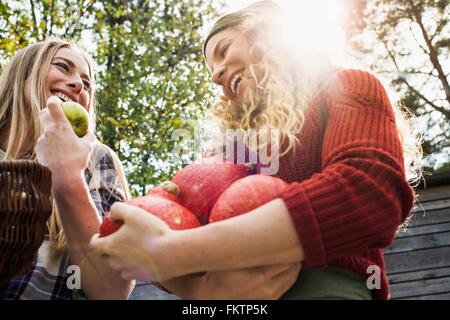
[(68, 77), (227, 55)]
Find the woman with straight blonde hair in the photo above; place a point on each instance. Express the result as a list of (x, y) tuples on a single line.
[(84, 185), (347, 154)]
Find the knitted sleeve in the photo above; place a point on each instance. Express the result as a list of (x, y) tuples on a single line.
[(361, 195)]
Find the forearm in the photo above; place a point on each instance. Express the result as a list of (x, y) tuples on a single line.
[(186, 287), (78, 215), (261, 237), (80, 222)]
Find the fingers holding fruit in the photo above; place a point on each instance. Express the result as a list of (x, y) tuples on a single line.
[(67, 113), (130, 239), (125, 256), (54, 107), (59, 147), (164, 215), (104, 249)]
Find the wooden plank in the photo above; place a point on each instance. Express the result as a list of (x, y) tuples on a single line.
[(422, 230), (432, 205), (418, 260), (419, 242), (440, 296), (434, 193), (429, 217), (420, 288), (419, 275)]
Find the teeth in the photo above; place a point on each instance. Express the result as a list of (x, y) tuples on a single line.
[(62, 96), (235, 81)]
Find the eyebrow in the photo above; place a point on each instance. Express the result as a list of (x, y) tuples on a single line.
[(72, 65)]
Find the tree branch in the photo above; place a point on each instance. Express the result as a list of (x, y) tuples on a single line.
[(51, 16), (440, 141), (81, 14), (442, 110), (46, 14), (439, 28), (417, 41), (68, 25), (33, 15), (430, 73), (432, 52), (445, 112)]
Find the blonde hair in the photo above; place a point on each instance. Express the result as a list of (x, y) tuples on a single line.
[(285, 89), (22, 96)]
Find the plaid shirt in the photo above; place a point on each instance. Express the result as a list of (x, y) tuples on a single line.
[(47, 278)]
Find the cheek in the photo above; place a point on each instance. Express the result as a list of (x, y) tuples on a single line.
[(241, 52), (53, 75), (235, 55)]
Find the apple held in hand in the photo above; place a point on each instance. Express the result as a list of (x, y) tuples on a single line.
[(77, 116)]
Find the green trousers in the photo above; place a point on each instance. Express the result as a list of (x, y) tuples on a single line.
[(328, 284)]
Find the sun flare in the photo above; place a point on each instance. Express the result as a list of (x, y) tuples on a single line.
[(310, 25)]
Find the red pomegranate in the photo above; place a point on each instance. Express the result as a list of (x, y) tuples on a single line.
[(109, 226), (167, 190), (201, 184), (175, 215), (245, 195)]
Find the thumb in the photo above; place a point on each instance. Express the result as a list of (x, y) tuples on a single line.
[(55, 110), (96, 242), (132, 214), (118, 211)]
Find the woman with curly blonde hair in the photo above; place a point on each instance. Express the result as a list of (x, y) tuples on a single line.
[(86, 175), (345, 150)]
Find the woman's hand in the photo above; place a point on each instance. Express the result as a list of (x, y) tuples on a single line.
[(134, 250), (261, 283), (59, 148)]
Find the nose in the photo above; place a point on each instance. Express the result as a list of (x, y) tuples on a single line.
[(76, 84), (217, 75)]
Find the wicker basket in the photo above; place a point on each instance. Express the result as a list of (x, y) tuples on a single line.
[(25, 207)]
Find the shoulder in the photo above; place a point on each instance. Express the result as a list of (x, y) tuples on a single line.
[(361, 85), (358, 88), (106, 178), (104, 165), (103, 157)]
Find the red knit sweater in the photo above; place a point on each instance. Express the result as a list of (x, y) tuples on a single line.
[(348, 193)]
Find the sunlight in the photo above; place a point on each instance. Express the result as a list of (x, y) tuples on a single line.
[(315, 26), (317, 23)]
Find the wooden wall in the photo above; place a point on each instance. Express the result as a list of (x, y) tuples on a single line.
[(418, 262)]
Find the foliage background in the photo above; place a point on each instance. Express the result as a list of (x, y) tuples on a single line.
[(151, 79)]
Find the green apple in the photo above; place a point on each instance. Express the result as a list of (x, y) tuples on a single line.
[(77, 116)]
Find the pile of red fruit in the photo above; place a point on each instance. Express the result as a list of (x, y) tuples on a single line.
[(203, 193)]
